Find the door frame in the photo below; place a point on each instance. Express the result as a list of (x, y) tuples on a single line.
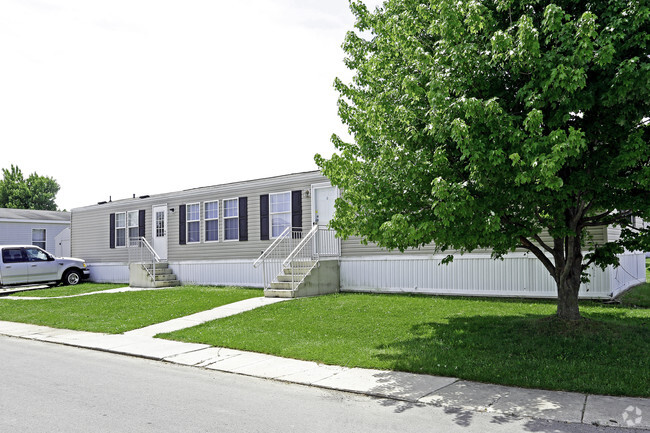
[(161, 250)]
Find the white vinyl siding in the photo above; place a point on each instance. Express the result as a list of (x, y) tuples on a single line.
[(193, 223), (211, 212), (280, 212), (90, 241), (120, 229), (231, 219), (39, 238)]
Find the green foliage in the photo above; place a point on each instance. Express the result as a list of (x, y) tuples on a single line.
[(35, 192), (485, 124)]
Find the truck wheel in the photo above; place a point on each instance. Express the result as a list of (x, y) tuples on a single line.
[(71, 277)]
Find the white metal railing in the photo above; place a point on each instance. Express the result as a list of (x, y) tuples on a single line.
[(302, 259), (271, 259), (294, 249), (141, 251)]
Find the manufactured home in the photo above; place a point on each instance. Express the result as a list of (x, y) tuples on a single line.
[(273, 233), (49, 230)]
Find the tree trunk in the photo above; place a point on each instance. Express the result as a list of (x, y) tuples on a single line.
[(567, 302), (568, 286)]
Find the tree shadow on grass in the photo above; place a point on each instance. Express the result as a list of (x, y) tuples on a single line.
[(606, 354)]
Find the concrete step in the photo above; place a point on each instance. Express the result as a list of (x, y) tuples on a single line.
[(167, 283), (296, 271), (289, 278), (281, 285), (165, 277), (304, 263), (159, 266), (278, 293)]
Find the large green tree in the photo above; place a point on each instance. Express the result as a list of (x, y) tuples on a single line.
[(35, 192), (493, 124)]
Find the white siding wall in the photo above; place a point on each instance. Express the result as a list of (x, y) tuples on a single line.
[(21, 233), (519, 274), (109, 273), (223, 272)]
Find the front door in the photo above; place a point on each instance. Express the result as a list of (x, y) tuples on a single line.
[(324, 196), (159, 227)]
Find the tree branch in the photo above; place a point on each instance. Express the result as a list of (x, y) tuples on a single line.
[(543, 244), (525, 243)]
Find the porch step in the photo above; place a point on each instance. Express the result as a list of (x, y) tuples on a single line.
[(297, 271), (168, 276), (140, 275), (287, 278), (279, 293), (167, 283), (162, 266), (277, 285)]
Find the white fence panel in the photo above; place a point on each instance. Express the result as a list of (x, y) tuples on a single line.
[(222, 272), (631, 272), (109, 273), (517, 274)]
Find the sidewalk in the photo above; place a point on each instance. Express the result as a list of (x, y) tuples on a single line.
[(447, 392)]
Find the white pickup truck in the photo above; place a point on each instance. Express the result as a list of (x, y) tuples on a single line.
[(26, 264)]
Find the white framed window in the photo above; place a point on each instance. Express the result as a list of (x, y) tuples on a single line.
[(231, 219), (193, 223), (120, 229), (39, 238), (211, 216), (132, 223), (280, 212)]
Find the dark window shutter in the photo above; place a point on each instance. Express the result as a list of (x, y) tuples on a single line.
[(142, 223), (243, 218), (182, 227), (111, 224), (264, 217), (296, 210)]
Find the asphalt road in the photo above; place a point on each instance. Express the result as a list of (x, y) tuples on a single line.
[(51, 388)]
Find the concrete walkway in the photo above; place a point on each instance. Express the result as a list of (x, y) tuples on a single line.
[(456, 395)]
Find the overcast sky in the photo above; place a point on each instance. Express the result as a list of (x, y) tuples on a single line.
[(122, 97)]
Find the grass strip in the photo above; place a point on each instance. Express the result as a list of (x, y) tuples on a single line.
[(68, 290), (114, 313), (503, 341)]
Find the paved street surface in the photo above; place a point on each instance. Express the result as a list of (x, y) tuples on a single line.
[(52, 388)]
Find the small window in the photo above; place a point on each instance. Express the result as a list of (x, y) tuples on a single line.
[(133, 225), (231, 219), (12, 255), (280, 212), (193, 223), (212, 221), (39, 238), (160, 224), (120, 229)]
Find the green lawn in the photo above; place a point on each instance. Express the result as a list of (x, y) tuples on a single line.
[(68, 290), (503, 341), (115, 313)]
